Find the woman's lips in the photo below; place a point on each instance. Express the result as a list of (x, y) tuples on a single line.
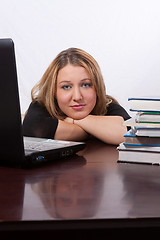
[(78, 107)]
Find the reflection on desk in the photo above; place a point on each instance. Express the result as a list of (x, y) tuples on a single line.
[(70, 193), (87, 191), (141, 187)]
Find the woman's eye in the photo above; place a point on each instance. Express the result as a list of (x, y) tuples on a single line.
[(85, 85), (66, 87)]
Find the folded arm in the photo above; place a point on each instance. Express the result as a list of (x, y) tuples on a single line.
[(108, 129)]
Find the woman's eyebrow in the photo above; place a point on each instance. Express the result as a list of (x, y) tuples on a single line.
[(67, 81), (86, 79), (64, 81)]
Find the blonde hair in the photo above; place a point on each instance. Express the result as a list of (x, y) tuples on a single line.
[(45, 90)]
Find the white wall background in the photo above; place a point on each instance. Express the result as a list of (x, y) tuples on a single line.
[(122, 35)]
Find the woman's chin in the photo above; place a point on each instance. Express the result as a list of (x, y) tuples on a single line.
[(79, 117)]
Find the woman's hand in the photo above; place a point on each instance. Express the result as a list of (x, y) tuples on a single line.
[(69, 120), (67, 130)]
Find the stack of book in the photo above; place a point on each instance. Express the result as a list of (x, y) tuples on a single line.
[(142, 142)]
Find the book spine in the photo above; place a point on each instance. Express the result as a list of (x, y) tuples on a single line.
[(138, 144)]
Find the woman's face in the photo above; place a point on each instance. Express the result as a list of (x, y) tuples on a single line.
[(76, 95)]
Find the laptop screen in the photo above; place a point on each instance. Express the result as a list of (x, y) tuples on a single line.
[(10, 120)]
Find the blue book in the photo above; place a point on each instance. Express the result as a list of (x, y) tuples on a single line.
[(143, 104), (147, 132), (130, 138), (139, 154)]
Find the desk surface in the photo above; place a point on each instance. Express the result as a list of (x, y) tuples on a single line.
[(90, 190)]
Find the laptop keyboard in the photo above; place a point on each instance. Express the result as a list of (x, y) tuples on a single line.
[(44, 146)]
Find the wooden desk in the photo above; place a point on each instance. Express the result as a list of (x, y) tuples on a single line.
[(81, 197)]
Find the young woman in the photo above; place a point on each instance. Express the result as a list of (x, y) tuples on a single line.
[(70, 102)]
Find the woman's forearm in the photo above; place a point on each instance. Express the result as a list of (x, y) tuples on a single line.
[(108, 129), (69, 131)]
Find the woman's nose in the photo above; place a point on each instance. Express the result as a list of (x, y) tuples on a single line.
[(77, 95)]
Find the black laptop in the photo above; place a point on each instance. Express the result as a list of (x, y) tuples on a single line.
[(16, 150)]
